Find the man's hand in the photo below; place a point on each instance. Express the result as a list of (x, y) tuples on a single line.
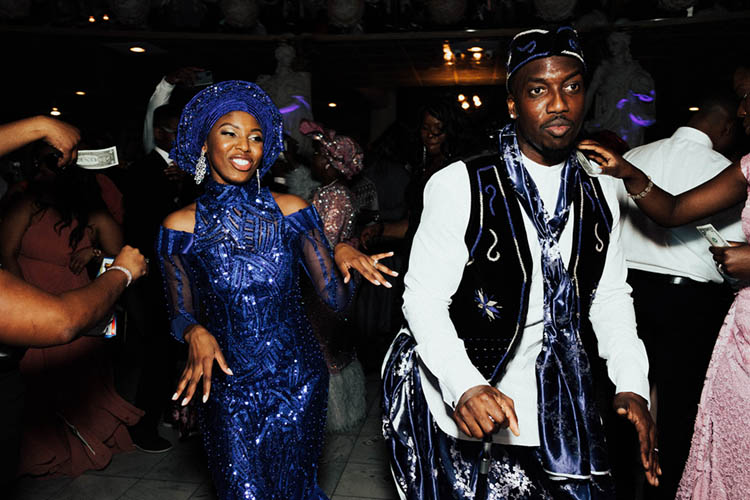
[(185, 76), (482, 410), (734, 260), (634, 408)]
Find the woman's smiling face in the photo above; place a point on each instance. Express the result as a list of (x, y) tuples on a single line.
[(234, 148)]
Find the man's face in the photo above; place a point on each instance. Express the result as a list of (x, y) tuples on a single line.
[(164, 136), (547, 99), (742, 89)]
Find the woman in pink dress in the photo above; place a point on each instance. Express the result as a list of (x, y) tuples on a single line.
[(718, 467), (74, 419)]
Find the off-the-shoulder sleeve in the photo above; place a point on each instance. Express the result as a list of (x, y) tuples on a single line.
[(173, 249), (317, 259)]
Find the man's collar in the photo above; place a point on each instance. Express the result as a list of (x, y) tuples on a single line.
[(163, 154), (694, 135)]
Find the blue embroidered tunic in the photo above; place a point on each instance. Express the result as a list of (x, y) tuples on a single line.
[(238, 276)]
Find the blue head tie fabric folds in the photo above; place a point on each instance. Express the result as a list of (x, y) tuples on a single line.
[(570, 431), (538, 43), (210, 104)]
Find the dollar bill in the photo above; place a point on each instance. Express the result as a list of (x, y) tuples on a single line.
[(591, 167), (95, 159), (712, 235)]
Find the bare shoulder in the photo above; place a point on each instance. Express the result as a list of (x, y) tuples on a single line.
[(181, 220), (101, 217), (289, 203)]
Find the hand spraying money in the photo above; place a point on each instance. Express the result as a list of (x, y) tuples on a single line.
[(711, 234), (96, 159)]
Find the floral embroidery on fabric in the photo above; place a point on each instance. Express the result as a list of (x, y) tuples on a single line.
[(486, 305)]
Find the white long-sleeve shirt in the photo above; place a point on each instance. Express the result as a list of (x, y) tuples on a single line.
[(436, 265), (676, 164), (160, 97)]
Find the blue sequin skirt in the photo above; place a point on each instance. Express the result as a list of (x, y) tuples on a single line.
[(263, 437)]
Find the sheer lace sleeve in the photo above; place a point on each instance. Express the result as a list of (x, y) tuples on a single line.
[(173, 248), (317, 259)]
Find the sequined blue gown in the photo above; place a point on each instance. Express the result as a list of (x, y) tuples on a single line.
[(238, 275)]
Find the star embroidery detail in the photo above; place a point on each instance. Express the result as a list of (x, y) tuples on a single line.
[(489, 307)]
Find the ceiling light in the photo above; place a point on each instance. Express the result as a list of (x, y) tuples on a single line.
[(137, 49), (475, 49), (477, 55), (477, 101), (448, 53), (92, 19), (80, 92), (694, 108), (55, 112), (465, 105), (105, 17), (332, 104), (461, 98)]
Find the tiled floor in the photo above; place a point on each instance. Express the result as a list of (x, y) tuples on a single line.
[(353, 466)]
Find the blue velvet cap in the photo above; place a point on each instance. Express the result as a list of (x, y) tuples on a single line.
[(538, 43), (213, 102)]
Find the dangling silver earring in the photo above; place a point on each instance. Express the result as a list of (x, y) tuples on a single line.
[(424, 156), (200, 168), (257, 176)]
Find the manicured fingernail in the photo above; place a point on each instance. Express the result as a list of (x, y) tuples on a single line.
[(376, 282), (205, 398), (387, 285), (229, 371), (395, 273), (175, 396), (185, 402)]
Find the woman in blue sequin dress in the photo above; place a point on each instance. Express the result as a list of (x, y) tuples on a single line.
[(231, 265)]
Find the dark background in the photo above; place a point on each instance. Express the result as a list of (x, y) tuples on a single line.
[(47, 58)]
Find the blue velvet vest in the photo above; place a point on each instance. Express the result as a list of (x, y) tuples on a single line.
[(490, 305)]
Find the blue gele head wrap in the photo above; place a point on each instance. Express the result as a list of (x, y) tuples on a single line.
[(538, 43), (213, 102)]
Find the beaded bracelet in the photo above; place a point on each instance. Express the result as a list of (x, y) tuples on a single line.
[(645, 191), (126, 271)]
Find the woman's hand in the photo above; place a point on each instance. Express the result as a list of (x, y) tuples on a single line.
[(80, 259), (202, 352), (347, 257), (608, 161), (131, 259), (733, 260)]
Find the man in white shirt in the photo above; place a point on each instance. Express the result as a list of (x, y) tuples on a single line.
[(155, 188), (679, 294), (500, 298)]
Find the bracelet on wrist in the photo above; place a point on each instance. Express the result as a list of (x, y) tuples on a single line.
[(124, 270), (645, 191)]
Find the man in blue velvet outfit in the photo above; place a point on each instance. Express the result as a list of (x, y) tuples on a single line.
[(516, 284)]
